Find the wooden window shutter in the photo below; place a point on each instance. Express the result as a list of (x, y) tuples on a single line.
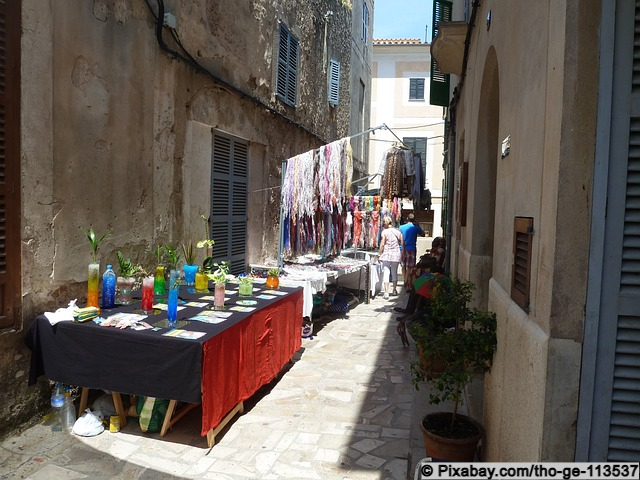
[(287, 79), (9, 162), (229, 174), (334, 82), (439, 82), (521, 273), (463, 186)]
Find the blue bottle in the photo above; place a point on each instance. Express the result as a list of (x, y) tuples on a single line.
[(172, 306), (108, 288)]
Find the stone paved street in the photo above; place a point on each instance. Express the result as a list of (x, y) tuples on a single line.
[(345, 408)]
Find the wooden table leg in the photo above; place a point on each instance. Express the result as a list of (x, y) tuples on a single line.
[(117, 403), (211, 434), (170, 420), (84, 395)]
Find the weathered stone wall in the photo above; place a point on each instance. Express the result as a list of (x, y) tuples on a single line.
[(116, 135)]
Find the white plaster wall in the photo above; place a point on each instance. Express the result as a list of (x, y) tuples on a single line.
[(393, 67)]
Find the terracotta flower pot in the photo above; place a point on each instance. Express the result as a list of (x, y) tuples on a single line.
[(460, 449)]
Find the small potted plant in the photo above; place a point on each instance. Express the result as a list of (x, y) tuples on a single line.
[(190, 267), (172, 256), (273, 278), (208, 244), (219, 277), (245, 288), (93, 283), (126, 280), (159, 281), (464, 340)]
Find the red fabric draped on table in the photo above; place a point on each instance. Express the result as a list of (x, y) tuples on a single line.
[(243, 358)]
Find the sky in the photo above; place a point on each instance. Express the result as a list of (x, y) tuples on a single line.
[(402, 19)]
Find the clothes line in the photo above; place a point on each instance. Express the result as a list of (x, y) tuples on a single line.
[(325, 180)]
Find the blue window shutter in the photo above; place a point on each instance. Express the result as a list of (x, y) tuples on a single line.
[(416, 89), (334, 82), (229, 174), (287, 78), (439, 82)]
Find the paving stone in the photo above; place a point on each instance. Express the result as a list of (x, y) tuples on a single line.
[(345, 409)]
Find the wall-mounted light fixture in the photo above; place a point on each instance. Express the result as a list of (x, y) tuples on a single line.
[(488, 20), (506, 146)]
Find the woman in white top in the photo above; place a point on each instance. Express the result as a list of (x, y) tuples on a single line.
[(391, 243)]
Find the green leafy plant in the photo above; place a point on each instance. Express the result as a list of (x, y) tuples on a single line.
[(126, 268), (159, 254), (173, 256), (245, 280), (95, 241), (273, 272), (221, 272), (189, 253), (458, 338)]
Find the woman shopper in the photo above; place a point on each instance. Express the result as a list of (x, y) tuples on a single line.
[(391, 243)]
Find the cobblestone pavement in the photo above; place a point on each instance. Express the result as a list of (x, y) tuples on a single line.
[(345, 408)]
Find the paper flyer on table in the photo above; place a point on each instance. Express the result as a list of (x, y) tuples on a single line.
[(242, 309), (186, 334), (164, 306)]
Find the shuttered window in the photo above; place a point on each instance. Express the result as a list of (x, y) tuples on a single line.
[(334, 82), (461, 192), (521, 273), (287, 67), (229, 201), (439, 82), (416, 89), (9, 162), (609, 417), (365, 22)]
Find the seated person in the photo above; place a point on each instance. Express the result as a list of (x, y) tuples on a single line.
[(417, 302)]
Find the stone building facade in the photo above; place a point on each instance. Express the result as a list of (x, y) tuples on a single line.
[(542, 168), (137, 118)]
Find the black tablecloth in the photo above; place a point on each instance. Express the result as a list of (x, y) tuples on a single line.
[(143, 362)]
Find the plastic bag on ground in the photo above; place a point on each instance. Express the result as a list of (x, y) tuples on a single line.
[(88, 425)]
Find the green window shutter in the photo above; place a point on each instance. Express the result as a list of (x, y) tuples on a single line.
[(439, 84), (334, 82), (287, 78), (229, 174)]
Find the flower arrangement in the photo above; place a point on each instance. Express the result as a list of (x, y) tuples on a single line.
[(208, 243)]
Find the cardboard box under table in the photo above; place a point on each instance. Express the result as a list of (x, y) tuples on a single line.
[(220, 369)]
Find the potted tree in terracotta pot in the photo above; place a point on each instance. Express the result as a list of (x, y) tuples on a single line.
[(463, 340)]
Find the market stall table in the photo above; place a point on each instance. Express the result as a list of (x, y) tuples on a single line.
[(218, 364)]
